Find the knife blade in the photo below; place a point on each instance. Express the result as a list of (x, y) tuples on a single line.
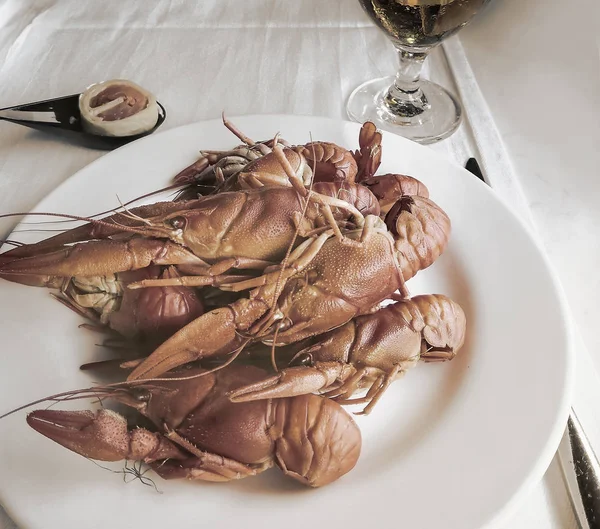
[(581, 473), (473, 167)]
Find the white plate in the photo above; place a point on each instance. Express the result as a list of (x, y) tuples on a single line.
[(452, 445)]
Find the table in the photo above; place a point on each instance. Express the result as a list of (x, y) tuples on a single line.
[(204, 57)]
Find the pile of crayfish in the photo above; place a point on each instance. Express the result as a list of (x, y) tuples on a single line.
[(271, 292)]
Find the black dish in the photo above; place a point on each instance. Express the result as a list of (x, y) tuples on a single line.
[(61, 116)]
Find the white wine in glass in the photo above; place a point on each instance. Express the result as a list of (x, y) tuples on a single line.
[(405, 104)]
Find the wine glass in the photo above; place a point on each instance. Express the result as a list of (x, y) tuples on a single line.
[(405, 104)]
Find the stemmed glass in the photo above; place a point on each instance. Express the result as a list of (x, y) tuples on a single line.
[(405, 104)]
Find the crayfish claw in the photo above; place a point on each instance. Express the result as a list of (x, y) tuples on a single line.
[(101, 436), (215, 333)]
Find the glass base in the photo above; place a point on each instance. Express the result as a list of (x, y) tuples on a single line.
[(437, 120)]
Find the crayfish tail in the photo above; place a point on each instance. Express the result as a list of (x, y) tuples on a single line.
[(318, 441)]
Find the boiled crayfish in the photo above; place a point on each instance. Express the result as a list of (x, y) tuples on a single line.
[(215, 240), (272, 246), (199, 434), (326, 282), (369, 351), (313, 259)]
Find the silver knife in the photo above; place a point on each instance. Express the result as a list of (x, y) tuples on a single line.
[(578, 461), (581, 472)]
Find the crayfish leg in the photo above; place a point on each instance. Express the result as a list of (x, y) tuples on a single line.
[(298, 260), (189, 281), (210, 275), (218, 469), (389, 378), (291, 382), (205, 466), (261, 146), (190, 173)]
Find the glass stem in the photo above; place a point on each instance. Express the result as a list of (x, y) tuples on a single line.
[(405, 97)]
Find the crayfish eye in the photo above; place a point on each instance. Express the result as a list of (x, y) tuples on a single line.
[(305, 359), (177, 222), (141, 395)]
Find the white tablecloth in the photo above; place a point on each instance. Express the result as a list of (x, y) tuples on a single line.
[(251, 56)]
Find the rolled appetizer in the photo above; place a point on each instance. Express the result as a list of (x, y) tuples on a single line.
[(117, 108)]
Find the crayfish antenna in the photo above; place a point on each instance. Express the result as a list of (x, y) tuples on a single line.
[(76, 394)]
